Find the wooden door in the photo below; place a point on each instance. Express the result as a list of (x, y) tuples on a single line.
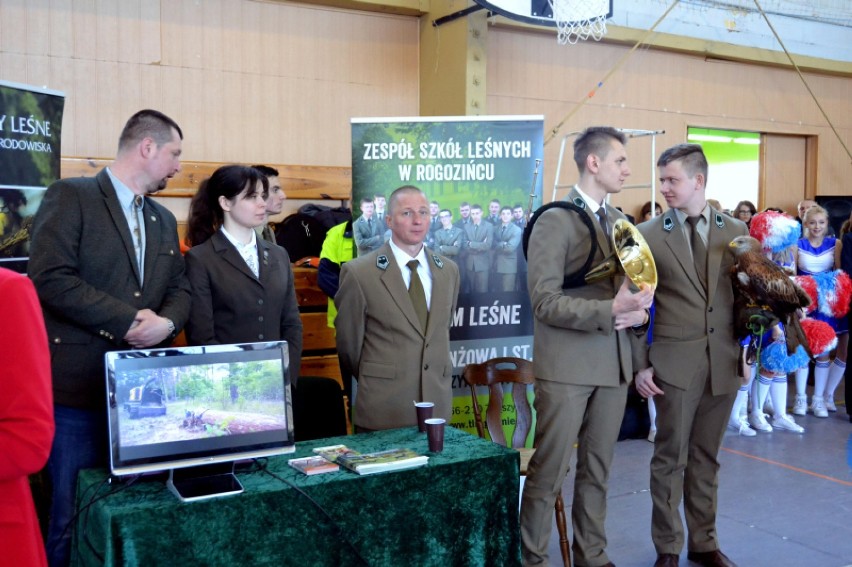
[(785, 177)]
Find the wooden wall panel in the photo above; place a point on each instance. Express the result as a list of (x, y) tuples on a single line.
[(37, 44), (84, 19), (61, 28), (13, 35)]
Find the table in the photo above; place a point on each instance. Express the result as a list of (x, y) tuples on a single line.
[(460, 509)]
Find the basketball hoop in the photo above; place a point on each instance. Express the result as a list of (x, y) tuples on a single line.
[(580, 19)]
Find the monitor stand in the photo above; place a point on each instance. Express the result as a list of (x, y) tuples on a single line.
[(204, 481)]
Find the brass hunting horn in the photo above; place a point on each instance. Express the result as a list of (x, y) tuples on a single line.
[(631, 256)]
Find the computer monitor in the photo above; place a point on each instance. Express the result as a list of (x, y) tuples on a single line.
[(178, 409)]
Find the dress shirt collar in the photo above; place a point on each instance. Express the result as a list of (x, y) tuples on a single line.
[(402, 258), (122, 191), (246, 250), (703, 226), (593, 206), (705, 214)]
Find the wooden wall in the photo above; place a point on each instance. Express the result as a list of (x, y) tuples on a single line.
[(529, 73), (257, 81), (248, 81)]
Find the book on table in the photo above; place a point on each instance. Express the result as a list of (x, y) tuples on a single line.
[(316, 464), (375, 462)]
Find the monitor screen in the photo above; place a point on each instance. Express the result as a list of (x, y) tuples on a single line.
[(182, 407)]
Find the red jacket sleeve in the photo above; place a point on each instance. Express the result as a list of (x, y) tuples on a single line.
[(26, 403)]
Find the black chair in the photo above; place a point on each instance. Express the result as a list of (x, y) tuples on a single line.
[(318, 408)]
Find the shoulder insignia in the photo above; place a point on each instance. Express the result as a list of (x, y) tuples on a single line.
[(382, 262), (438, 261), (720, 220), (580, 202), (668, 224)]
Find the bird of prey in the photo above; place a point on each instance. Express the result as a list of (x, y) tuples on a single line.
[(761, 285)]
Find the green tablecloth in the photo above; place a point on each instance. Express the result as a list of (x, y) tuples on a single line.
[(460, 509)]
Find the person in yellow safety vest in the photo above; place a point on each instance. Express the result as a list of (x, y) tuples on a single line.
[(337, 248)]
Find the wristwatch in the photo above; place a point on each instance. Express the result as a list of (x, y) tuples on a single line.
[(171, 325)]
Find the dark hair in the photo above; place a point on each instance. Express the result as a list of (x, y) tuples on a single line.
[(476, 206), (205, 213), (691, 157), (399, 191), (595, 140), (747, 204), (646, 208), (366, 200), (505, 208), (266, 170), (148, 124), (13, 197)]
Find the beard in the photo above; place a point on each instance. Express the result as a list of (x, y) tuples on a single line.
[(157, 186)]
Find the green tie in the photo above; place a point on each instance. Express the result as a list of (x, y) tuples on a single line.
[(699, 251), (417, 294)]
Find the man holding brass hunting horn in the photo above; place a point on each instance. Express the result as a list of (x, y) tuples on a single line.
[(578, 253)]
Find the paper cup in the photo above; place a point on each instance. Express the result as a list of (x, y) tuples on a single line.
[(424, 412), (435, 434)]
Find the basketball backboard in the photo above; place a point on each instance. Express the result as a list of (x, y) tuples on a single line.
[(540, 12)]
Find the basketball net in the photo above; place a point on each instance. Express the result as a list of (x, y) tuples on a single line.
[(579, 19)]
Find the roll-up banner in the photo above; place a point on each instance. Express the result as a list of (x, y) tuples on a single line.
[(464, 164), (30, 135)]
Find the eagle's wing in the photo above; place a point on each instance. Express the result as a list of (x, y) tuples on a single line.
[(770, 285)]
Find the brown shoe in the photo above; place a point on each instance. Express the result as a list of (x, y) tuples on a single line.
[(710, 559), (666, 560)]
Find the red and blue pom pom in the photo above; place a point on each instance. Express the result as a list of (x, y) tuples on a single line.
[(775, 231), (820, 336), (808, 284), (834, 289)]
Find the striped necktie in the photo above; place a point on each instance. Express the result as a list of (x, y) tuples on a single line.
[(136, 217)]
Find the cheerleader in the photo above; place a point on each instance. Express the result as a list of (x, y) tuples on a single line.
[(818, 255)]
